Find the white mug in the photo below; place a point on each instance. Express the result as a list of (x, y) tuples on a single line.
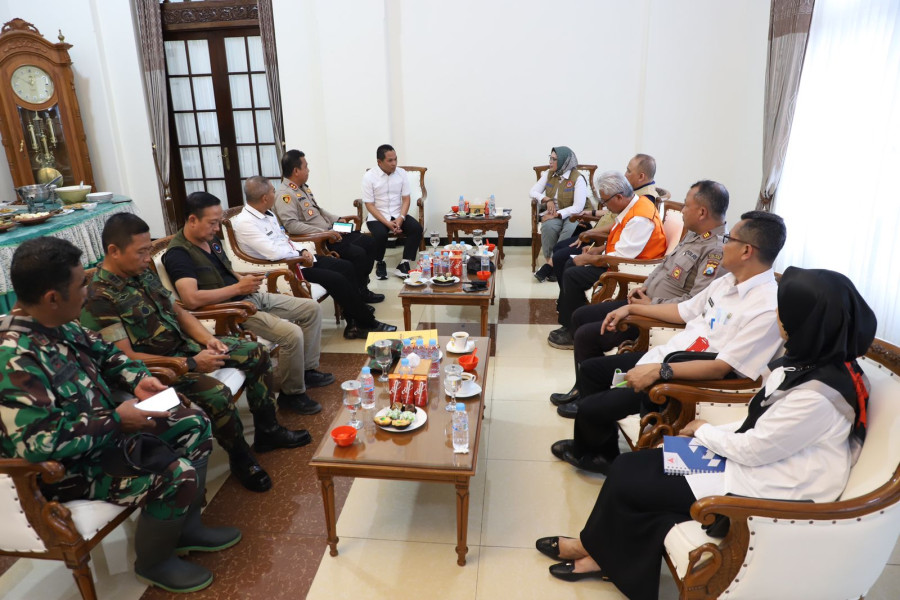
[(415, 275), (460, 339)]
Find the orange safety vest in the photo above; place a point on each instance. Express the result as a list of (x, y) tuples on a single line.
[(656, 245)]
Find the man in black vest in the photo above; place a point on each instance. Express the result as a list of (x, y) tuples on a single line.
[(202, 274)]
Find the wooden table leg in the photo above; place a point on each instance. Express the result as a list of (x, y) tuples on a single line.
[(462, 520), (328, 500), (484, 320), (501, 231), (407, 316)]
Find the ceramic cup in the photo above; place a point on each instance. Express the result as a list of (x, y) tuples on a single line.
[(460, 339), (415, 275)]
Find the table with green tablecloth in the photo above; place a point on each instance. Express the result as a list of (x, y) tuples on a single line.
[(83, 228)]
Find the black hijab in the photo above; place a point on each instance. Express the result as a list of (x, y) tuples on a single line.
[(828, 325)]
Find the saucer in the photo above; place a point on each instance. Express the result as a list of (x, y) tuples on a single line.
[(470, 345), (418, 283), (469, 389)]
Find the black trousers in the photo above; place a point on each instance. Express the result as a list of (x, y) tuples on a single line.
[(575, 281), (410, 228), (359, 249), (337, 276), (637, 506), (600, 407), (587, 328), (562, 251)]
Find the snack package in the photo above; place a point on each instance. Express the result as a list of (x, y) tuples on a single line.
[(420, 390)]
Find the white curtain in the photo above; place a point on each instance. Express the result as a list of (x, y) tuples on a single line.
[(838, 193)]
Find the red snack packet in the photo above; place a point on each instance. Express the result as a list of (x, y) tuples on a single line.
[(699, 345), (420, 390), (406, 390), (394, 382)]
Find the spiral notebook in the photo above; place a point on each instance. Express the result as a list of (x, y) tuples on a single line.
[(687, 456)]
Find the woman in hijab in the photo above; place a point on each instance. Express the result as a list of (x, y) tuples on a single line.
[(797, 442), (562, 192)]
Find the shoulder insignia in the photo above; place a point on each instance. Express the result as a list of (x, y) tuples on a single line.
[(570, 184), (306, 205), (706, 235), (311, 212), (676, 273), (715, 256), (711, 267), (293, 185), (286, 198)]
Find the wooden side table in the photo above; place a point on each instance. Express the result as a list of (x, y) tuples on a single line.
[(455, 225)]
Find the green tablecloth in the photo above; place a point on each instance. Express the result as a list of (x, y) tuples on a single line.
[(82, 227)]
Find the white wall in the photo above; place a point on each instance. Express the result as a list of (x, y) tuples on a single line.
[(109, 85), (479, 91)]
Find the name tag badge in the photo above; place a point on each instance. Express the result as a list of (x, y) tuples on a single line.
[(270, 232)]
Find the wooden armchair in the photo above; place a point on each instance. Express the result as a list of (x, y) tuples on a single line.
[(785, 550), (588, 171), (35, 527), (414, 173)]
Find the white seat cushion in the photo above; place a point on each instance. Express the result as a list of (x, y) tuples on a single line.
[(16, 534), (90, 516), (682, 539), (631, 427)]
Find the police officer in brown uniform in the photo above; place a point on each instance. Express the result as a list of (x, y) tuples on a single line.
[(300, 214), (692, 266)]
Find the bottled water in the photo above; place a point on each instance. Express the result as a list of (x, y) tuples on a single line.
[(406, 347), (485, 262), (426, 266), (460, 429), (367, 388), (405, 369), (492, 206), (434, 353)]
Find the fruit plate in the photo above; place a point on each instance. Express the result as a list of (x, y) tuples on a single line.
[(421, 417), (452, 281)]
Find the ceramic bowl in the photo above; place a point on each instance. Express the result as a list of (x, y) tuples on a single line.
[(343, 435), (468, 362), (72, 194)]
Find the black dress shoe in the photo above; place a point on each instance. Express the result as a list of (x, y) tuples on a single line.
[(381, 270), (560, 448), (561, 338), (543, 273), (590, 463), (566, 572), (314, 378), (370, 297), (549, 546), (560, 399), (370, 308), (568, 410), (551, 278), (355, 332), (252, 476), (299, 403)]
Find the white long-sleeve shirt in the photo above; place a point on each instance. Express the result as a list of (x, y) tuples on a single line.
[(799, 449), (578, 200), (261, 236)]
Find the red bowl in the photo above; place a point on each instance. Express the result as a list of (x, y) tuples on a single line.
[(490, 247), (343, 435), (484, 275), (454, 209), (468, 362)]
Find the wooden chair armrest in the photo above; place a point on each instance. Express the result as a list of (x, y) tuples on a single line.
[(613, 283), (316, 238), (646, 323), (355, 219), (228, 320), (242, 305), (165, 375), (50, 471), (272, 280), (171, 363), (613, 262), (358, 203), (703, 391)]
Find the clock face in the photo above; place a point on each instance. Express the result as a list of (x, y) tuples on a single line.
[(32, 84)]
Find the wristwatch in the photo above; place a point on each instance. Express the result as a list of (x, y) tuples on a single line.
[(191, 363), (665, 371)]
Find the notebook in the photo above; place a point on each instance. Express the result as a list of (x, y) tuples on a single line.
[(687, 456)]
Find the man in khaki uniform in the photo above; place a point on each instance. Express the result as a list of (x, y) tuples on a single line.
[(300, 214), (692, 266)]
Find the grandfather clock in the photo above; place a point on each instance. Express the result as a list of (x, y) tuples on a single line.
[(40, 121)]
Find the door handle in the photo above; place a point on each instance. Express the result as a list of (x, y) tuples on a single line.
[(225, 158)]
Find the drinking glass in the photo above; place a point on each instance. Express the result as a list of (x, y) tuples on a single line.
[(435, 241), (384, 357), (352, 401), (478, 238), (452, 384)]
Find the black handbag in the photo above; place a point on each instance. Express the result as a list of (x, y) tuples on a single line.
[(138, 454)]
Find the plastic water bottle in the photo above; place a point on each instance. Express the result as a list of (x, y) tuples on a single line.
[(434, 353), (461, 204), (405, 369), (485, 262), (492, 207), (367, 388), (426, 266), (460, 429), (406, 348)]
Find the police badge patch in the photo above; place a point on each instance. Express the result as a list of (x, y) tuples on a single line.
[(676, 273), (711, 267), (570, 184), (286, 198)]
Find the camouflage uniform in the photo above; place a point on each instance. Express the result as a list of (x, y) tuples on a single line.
[(57, 404), (140, 308)]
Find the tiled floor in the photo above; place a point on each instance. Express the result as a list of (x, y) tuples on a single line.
[(397, 539)]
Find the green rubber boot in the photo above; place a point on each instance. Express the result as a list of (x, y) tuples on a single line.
[(197, 537), (157, 564)]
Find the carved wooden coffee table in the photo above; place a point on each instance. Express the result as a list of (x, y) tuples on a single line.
[(425, 455), (450, 295), (455, 225)]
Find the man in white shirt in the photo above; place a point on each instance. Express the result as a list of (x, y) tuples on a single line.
[(262, 236), (636, 233), (734, 318), (385, 190)]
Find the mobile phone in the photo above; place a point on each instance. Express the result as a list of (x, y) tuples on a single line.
[(165, 400), (231, 347), (342, 227)]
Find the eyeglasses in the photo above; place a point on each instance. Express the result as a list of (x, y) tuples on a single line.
[(728, 237), (552, 158), (604, 202)]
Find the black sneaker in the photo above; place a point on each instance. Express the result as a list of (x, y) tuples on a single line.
[(381, 270), (561, 338), (403, 267), (370, 297), (543, 273), (314, 378), (358, 332)]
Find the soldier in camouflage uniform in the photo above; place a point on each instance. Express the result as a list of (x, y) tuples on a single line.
[(129, 307), (56, 390)]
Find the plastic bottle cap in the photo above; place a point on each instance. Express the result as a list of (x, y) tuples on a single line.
[(406, 341), (433, 341), (366, 370), (404, 362), (460, 406)]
